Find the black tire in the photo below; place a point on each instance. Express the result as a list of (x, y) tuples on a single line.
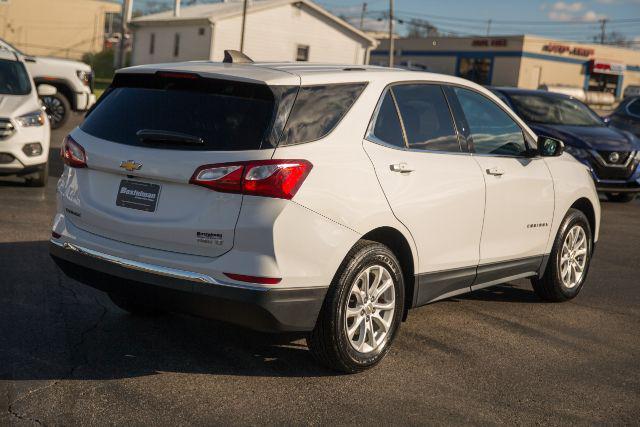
[(620, 197), (328, 342), (58, 108), (39, 179), (550, 286), (133, 307)]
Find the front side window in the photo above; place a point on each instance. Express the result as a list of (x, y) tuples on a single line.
[(553, 110), (426, 117), (491, 129), (14, 79), (318, 110)]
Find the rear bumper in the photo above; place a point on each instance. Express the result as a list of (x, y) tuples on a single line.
[(267, 310)]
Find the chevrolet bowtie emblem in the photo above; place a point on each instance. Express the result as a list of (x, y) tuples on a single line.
[(131, 165)]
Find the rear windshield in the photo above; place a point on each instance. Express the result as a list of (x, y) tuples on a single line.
[(14, 79), (183, 111)]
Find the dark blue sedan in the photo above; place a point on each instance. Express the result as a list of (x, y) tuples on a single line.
[(612, 155)]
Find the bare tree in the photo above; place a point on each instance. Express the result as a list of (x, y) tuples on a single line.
[(419, 28)]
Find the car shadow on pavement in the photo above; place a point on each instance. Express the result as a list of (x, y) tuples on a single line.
[(52, 328), (504, 293)]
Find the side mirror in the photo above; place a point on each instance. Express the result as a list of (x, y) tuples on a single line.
[(46, 90), (550, 147)]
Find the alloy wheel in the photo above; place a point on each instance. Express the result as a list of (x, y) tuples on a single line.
[(54, 108), (370, 309), (573, 257)]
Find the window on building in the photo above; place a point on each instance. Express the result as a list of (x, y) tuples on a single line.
[(302, 53), (426, 117), (600, 82), (387, 127), (152, 44), (111, 22), (491, 129), (476, 69), (201, 31), (176, 45)]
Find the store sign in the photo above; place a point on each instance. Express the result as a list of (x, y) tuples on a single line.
[(489, 42), (607, 67), (564, 48)]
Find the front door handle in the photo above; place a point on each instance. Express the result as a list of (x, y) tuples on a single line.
[(400, 167), (495, 171)]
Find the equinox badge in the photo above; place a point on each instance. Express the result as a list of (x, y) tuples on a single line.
[(131, 165)]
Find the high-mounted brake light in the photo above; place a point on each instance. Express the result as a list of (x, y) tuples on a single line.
[(72, 153), (267, 178), (174, 75)]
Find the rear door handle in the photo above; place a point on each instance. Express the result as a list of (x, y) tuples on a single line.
[(401, 167), (495, 171)]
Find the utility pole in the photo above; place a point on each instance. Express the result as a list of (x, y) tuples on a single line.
[(391, 41), (176, 8), (603, 26), (364, 10), (124, 27), (244, 22), (488, 27)]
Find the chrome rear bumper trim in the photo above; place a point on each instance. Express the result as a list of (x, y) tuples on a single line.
[(153, 268)]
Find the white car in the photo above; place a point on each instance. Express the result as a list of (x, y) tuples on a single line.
[(319, 198), (73, 81), (24, 127)]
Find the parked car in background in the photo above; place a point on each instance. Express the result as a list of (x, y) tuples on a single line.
[(73, 81), (24, 126), (612, 155), (325, 199), (626, 116)]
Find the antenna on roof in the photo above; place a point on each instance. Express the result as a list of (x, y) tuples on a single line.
[(236, 57)]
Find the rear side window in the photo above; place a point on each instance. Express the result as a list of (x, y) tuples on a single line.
[(388, 128), (317, 111), (426, 118), (184, 112)]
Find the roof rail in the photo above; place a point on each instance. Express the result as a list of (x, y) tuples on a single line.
[(236, 57)]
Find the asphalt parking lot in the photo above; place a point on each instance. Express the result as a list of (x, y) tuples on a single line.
[(498, 356)]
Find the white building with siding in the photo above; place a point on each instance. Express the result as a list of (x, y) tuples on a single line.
[(276, 30)]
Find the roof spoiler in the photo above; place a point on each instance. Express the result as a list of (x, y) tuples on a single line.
[(236, 57)]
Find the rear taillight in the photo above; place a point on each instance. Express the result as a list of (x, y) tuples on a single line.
[(73, 154), (268, 178)]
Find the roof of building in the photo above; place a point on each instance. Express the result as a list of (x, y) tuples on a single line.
[(213, 12)]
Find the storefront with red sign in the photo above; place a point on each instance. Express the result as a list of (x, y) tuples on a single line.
[(522, 61)]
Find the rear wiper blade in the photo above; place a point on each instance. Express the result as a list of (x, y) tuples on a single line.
[(153, 135)]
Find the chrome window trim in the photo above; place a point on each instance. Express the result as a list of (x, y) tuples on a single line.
[(153, 268)]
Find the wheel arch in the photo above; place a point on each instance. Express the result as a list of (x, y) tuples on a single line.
[(400, 246), (63, 87), (585, 206)]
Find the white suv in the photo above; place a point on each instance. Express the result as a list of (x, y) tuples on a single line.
[(318, 198), (24, 127)]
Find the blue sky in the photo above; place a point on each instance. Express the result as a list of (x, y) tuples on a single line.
[(575, 20)]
